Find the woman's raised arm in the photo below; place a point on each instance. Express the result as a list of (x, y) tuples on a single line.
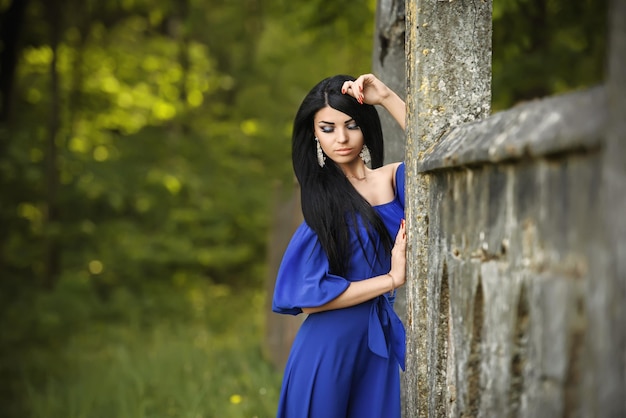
[(369, 89)]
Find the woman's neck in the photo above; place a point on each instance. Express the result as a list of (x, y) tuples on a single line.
[(357, 171)]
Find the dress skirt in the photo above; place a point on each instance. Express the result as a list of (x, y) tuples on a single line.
[(333, 373)]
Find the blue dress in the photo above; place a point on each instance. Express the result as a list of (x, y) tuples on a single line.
[(344, 363)]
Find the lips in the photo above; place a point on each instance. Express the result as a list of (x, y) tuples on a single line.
[(344, 151)]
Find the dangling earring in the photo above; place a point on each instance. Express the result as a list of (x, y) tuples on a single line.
[(321, 158), (365, 154)]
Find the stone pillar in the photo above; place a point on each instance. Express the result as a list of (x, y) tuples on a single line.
[(609, 341), (389, 64), (448, 83)]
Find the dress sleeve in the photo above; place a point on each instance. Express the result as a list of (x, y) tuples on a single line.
[(303, 279), (400, 179)]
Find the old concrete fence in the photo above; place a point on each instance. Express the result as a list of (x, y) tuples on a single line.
[(517, 291), (517, 244)]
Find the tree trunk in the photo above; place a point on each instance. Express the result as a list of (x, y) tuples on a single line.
[(11, 21), (52, 251)]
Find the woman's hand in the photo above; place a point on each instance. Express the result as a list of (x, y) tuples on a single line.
[(369, 89), (398, 257), (362, 290)]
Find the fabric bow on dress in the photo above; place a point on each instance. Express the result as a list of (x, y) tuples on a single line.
[(386, 332)]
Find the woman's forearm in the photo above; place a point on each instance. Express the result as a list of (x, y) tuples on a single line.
[(396, 107), (357, 292)]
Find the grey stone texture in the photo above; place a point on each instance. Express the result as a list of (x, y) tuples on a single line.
[(448, 84), (517, 239), (389, 64)]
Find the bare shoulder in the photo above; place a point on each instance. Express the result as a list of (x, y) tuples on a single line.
[(387, 172), (380, 187), (385, 180)]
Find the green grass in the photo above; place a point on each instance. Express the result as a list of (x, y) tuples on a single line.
[(193, 352)]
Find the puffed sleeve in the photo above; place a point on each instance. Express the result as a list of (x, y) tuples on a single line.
[(303, 279), (400, 179)]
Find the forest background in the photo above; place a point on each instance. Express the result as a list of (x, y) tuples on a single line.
[(143, 146)]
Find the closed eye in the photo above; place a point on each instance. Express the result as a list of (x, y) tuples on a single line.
[(329, 127)]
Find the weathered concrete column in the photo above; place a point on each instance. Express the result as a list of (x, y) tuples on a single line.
[(389, 64), (610, 291), (448, 83)]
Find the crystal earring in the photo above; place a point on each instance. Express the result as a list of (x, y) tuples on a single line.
[(365, 154), (321, 158)]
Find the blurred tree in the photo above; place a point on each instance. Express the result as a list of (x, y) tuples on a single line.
[(542, 47), (11, 24), (143, 142), (213, 84)]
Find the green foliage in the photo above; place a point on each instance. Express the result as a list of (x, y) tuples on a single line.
[(190, 353), (544, 47), (173, 128), (137, 168)]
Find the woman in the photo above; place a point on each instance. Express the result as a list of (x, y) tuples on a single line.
[(342, 266)]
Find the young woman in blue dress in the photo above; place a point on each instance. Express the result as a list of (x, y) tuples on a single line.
[(346, 259)]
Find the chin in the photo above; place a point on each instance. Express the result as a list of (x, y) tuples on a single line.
[(345, 159)]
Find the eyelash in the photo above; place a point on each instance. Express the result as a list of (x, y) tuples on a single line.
[(330, 129)]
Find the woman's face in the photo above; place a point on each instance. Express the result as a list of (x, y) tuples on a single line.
[(339, 135)]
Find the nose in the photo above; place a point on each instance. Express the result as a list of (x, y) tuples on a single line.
[(342, 136)]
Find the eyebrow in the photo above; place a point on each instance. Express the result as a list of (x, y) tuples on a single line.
[(332, 123)]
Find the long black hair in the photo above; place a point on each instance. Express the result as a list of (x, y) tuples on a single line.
[(330, 204)]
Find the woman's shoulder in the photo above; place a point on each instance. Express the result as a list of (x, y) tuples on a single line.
[(387, 169), (387, 172), (382, 184)]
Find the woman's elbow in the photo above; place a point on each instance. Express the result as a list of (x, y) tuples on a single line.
[(309, 311)]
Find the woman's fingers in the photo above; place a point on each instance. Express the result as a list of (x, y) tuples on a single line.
[(365, 89), (360, 85), (398, 255), (354, 89), (347, 88), (401, 235)]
